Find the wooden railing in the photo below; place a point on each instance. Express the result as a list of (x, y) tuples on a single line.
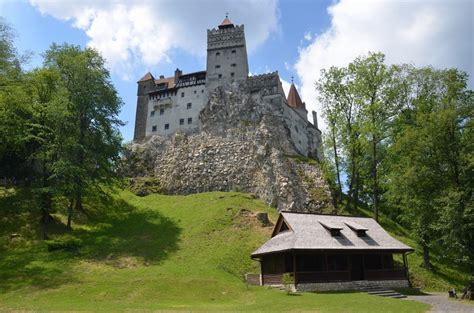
[(394, 273)]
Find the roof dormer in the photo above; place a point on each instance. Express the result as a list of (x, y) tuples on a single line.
[(357, 228), (332, 228)]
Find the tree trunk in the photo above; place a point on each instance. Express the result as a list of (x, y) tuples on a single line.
[(356, 192), (426, 258), (70, 211), (374, 177), (336, 161), (46, 203)]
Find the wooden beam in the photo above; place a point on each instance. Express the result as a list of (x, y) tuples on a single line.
[(294, 267), (261, 272)]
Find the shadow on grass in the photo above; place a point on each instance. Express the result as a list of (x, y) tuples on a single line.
[(116, 234), (122, 230), (411, 291)]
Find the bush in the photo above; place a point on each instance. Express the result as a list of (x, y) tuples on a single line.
[(143, 186), (288, 282)]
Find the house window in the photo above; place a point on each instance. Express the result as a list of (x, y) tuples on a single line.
[(218, 66), (190, 120), (181, 121), (162, 111), (220, 76), (233, 65), (182, 95), (233, 51), (231, 74), (167, 126), (153, 128), (152, 113), (189, 106)]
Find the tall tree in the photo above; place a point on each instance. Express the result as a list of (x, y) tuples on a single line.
[(376, 92), (95, 105)]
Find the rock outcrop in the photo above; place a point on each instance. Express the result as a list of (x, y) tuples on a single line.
[(243, 145)]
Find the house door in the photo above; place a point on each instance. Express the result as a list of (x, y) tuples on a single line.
[(357, 267)]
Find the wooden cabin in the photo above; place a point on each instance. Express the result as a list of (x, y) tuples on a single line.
[(329, 252)]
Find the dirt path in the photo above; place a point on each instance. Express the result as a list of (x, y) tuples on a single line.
[(441, 303)]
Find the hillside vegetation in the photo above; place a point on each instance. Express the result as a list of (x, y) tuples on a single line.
[(149, 253)]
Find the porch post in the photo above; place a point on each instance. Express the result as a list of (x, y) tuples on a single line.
[(294, 267), (261, 271)]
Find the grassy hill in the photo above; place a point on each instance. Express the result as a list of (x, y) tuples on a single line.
[(156, 253)]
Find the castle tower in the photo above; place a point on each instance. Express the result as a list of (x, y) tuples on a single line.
[(295, 102), (145, 85), (226, 54)]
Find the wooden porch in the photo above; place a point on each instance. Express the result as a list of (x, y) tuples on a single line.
[(307, 268)]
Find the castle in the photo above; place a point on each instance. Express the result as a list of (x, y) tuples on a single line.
[(170, 105)]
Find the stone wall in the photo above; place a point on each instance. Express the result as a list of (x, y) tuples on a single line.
[(244, 145), (352, 285)]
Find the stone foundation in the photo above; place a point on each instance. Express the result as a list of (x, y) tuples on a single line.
[(353, 285)]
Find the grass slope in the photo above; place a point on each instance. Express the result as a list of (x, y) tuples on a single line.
[(153, 253)]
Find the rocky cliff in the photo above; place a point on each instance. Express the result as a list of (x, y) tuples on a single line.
[(244, 145)]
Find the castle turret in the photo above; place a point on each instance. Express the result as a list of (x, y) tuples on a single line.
[(145, 85), (226, 54), (295, 102)]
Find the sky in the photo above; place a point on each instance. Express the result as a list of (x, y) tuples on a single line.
[(297, 38)]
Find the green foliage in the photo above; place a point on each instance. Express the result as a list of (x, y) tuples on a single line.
[(58, 124), (288, 282), (403, 137), (143, 186)]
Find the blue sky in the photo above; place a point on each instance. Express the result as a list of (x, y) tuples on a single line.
[(297, 38)]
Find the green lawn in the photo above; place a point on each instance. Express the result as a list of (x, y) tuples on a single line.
[(153, 253)]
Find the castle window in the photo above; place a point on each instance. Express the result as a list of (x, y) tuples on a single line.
[(152, 113), (195, 91), (218, 66), (233, 51), (233, 65), (153, 128), (181, 121), (190, 120), (162, 111), (167, 126), (232, 74), (220, 75), (202, 91), (218, 54), (189, 106)]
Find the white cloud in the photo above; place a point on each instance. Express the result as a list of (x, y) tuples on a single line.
[(144, 31), (427, 32)]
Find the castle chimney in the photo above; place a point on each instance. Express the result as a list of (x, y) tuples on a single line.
[(177, 74), (315, 119)]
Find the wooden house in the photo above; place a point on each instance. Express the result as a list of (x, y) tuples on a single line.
[(329, 252)]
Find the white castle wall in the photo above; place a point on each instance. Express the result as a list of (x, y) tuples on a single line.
[(175, 108)]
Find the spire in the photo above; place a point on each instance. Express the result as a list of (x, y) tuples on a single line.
[(147, 76), (226, 23), (294, 99)]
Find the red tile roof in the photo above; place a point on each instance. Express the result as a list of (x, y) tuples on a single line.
[(226, 23), (147, 76), (294, 99), (168, 80)]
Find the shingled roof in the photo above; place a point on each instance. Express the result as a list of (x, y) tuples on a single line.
[(310, 232), (294, 99)]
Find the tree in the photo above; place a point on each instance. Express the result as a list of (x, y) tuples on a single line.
[(430, 170), (94, 142), (376, 91)]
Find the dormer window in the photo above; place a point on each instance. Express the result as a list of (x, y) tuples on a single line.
[(357, 228), (333, 229)]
